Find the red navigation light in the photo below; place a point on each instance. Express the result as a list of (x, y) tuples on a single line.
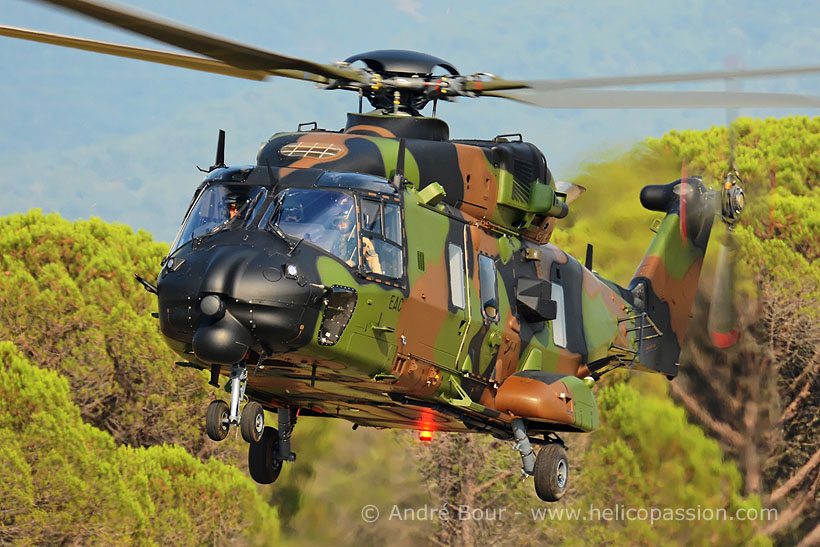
[(426, 425)]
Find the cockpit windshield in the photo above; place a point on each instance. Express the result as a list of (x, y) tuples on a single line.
[(325, 218), (215, 206)]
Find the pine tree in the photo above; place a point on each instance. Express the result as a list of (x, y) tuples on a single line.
[(67, 482)]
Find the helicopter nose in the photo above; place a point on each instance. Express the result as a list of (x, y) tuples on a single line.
[(220, 339), (240, 295)]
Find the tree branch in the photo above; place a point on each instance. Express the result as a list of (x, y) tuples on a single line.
[(721, 429), (795, 480), (787, 516), (698, 361), (812, 539), (791, 410), (500, 477)]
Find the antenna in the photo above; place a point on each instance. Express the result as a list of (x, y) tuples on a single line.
[(398, 176), (220, 154), (220, 151)]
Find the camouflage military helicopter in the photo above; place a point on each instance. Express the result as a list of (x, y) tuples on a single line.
[(389, 276)]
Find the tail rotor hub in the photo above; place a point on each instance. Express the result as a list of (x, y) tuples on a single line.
[(732, 198)]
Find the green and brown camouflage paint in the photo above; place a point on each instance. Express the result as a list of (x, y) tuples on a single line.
[(410, 350)]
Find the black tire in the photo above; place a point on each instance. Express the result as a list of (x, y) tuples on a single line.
[(262, 461), (216, 420), (551, 472), (252, 422)]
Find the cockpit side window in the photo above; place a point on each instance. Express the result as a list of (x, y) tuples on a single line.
[(371, 216), (392, 222), (363, 231), (381, 238)]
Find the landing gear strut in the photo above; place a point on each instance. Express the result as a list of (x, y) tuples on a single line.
[(265, 457), (220, 417), (550, 467), (239, 379)]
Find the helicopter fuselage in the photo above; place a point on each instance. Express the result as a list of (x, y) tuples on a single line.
[(424, 304)]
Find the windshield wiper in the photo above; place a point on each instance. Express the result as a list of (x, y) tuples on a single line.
[(273, 225), (278, 231)]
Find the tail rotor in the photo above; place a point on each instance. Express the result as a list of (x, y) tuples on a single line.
[(723, 324)]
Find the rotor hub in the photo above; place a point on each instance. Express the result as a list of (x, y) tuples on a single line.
[(404, 82), (732, 198)]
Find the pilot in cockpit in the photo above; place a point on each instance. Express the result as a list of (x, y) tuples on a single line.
[(345, 245), (232, 203)]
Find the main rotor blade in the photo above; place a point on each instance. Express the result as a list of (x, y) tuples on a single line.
[(648, 79), (233, 53), (500, 84), (130, 52), (604, 98)]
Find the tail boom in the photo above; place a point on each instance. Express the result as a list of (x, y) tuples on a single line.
[(665, 283)]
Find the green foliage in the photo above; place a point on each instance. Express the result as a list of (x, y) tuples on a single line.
[(779, 246), (337, 473), (609, 214), (69, 300), (779, 160), (66, 482), (647, 455)]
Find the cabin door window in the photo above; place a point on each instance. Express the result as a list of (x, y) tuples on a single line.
[(455, 259), (487, 288), (559, 324)]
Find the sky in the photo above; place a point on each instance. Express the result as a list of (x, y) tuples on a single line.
[(87, 135)]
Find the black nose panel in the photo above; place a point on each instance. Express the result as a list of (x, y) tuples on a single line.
[(226, 269), (223, 342), (232, 296)]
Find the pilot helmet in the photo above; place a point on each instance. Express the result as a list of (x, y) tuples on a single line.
[(293, 212)]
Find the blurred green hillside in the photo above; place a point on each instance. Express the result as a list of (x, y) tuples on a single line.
[(104, 437)]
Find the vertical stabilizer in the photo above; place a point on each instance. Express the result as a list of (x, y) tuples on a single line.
[(666, 280)]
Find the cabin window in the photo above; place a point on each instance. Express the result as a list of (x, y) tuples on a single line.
[(392, 223), (371, 216), (489, 296), (215, 206), (381, 238), (559, 324), (325, 218), (456, 263)]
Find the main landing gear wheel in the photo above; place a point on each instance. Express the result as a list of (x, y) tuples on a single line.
[(252, 422), (551, 472), (263, 461), (216, 420)]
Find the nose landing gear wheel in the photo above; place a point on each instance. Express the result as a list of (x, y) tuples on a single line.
[(216, 420), (252, 422), (262, 457), (551, 472)]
